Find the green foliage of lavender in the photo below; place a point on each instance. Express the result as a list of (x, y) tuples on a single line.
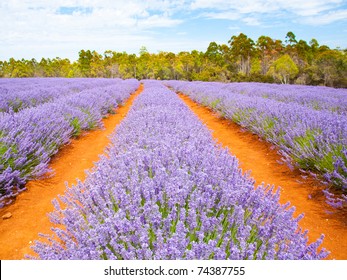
[(311, 137), (33, 134), (165, 190)]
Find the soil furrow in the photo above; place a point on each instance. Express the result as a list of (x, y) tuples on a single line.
[(262, 161), (30, 210)]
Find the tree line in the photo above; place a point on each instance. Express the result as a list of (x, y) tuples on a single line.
[(241, 59)]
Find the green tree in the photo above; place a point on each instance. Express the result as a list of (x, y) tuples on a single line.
[(111, 64), (328, 66), (240, 60), (242, 48), (268, 50), (185, 66), (97, 69), (132, 66), (283, 69), (2, 66), (74, 70), (171, 59), (84, 60), (314, 46), (214, 54), (20, 68), (143, 64), (60, 67), (290, 38)]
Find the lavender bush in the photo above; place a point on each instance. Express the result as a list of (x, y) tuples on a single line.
[(165, 190), (30, 137), (314, 140), (18, 94), (317, 98)]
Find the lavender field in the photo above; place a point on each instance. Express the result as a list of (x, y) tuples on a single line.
[(166, 190), (38, 116), (308, 124), (18, 94)]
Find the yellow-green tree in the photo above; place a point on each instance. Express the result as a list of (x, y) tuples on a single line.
[(283, 69)]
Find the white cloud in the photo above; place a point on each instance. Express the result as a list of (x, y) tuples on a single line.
[(300, 8), (158, 21), (234, 28), (33, 25), (309, 7), (38, 28), (326, 18), (36, 21), (248, 20), (221, 15), (251, 21)]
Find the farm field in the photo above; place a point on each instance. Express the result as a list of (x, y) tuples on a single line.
[(29, 138), (29, 212), (173, 192), (308, 124), (261, 160)]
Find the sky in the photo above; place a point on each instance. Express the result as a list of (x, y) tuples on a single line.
[(61, 28)]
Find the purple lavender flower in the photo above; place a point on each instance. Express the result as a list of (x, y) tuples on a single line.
[(308, 123), (31, 136), (167, 191)]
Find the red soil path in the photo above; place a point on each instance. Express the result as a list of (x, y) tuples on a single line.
[(258, 157), (29, 212)]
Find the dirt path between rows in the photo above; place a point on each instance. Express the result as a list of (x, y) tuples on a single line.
[(29, 212), (262, 160)]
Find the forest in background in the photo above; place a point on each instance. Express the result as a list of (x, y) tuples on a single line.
[(241, 59)]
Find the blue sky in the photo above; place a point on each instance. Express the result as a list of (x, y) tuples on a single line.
[(38, 28)]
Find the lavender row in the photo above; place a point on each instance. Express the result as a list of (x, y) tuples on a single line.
[(165, 190), (29, 138), (18, 94), (315, 141), (315, 97)]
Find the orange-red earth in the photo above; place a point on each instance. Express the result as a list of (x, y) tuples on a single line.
[(261, 159), (31, 208)]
